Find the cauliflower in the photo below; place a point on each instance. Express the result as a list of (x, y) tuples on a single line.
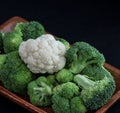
[(43, 54)]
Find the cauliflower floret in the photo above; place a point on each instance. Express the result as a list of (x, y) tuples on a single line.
[(43, 54)]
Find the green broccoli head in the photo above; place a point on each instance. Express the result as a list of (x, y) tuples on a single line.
[(12, 40), (77, 105), (40, 91), (82, 54), (14, 74), (67, 90), (95, 93), (65, 42), (64, 75), (52, 80), (32, 29), (60, 104)]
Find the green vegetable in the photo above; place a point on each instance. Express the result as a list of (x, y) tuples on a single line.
[(31, 30), (64, 75), (95, 93), (67, 90), (82, 54), (96, 72), (13, 73), (52, 80), (40, 91), (65, 42), (63, 99), (2, 60), (77, 105), (12, 40), (60, 104)]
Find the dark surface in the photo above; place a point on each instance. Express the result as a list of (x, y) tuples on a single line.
[(95, 23)]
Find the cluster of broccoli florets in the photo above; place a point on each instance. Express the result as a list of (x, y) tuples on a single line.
[(70, 79), (83, 84), (14, 73)]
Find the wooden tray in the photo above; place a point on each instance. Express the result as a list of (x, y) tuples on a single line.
[(8, 26)]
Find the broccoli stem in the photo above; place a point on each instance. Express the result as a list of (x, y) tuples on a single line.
[(44, 89), (83, 81), (79, 65)]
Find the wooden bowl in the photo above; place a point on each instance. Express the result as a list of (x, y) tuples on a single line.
[(8, 26)]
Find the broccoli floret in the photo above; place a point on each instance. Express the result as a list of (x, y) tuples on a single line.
[(63, 99), (32, 30), (2, 60), (82, 54), (12, 40), (77, 105), (95, 93), (67, 90), (65, 42), (64, 75), (20, 26), (52, 80), (60, 104), (14, 74), (40, 91)]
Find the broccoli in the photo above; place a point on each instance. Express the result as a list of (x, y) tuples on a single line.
[(14, 74), (77, 105), (64, 75), (2, 60), (31, 30), (63, 99), (96, 72), (12, 40), (95, 93), (67, 90), (21, 32), (60, 104), (65, 42), (0, 39), (82, 54), (52, 80), (40, 91)]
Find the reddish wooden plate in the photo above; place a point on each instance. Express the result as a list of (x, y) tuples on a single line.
[(8, 26)]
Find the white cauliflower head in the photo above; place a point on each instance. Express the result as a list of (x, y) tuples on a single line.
[(43, 54)]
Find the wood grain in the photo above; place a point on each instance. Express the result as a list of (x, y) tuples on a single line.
[(8, 26)]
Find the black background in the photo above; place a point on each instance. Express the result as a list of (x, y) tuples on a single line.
[(95, 23)]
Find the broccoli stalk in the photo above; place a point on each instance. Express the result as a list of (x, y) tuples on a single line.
[(95, 93), (82, 54)]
